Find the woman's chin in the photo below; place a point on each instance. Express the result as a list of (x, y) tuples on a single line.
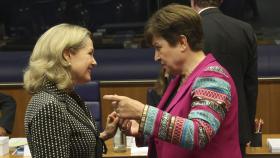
[(83, 81)]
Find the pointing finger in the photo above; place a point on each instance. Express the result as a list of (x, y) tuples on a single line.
[(112, 97)]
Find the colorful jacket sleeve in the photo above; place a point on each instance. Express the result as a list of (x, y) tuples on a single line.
[(211, 99)]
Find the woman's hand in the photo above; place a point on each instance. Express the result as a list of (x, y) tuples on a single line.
[(129, 127), (126, 107), (111, 126)]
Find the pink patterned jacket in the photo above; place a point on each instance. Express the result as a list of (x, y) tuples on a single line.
[(201, 120)]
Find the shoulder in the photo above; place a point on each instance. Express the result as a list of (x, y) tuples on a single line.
[(216, 71), (214, 83), (43, 98), (44, 103), (220, 18), (242, 25), (213, 76), (6, 98)]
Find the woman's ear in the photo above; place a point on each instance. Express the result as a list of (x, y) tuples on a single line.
[(183, 42), (67, 55)]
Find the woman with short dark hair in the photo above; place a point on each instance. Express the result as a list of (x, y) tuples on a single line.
[(197, 116)]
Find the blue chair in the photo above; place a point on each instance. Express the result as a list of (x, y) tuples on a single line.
[(268, 61), (90, 94)]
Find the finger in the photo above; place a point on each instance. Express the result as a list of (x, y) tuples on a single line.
[(134, 123), (116, 120), (110, 118), (113, 114), (115, 104), (129, 125), (112, 97), (125, 124), (117, 110), (120, 122), (118, 115)]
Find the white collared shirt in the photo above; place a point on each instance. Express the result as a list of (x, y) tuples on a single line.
[(205, 9)]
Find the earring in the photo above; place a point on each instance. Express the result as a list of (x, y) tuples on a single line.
[(69, 63)]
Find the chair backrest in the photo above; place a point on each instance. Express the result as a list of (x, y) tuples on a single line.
[(268, 61), (90, 94)]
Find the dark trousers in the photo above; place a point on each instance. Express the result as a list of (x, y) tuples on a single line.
[(243, 150)]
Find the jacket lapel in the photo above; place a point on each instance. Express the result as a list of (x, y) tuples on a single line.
[(74, 105), (80, 112), (171, 86), (181, 91)]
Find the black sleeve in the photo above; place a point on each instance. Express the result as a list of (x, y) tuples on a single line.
[(251, 81), (8, 109)]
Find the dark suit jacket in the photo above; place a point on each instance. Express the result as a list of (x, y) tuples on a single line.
[(8, 110), (58, 124), (233, 8), (233, 44)]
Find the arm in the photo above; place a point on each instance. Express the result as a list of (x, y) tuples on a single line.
[(49, 133), (8, 108), (251, 81), (111, 127), (207, 113), (211, 99)]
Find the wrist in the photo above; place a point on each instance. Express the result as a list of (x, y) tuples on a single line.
[(104, 136), (140, 113), (143, 119)]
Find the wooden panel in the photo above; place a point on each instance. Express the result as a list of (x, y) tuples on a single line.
[(268, 106), (274, 108), (21, 97)]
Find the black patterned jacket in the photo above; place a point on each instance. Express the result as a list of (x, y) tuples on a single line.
[(58, 125)]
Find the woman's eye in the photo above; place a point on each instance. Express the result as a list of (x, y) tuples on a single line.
[(157, 48)]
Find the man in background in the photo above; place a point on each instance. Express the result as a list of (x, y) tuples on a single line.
[(233, 43), (8, 111)]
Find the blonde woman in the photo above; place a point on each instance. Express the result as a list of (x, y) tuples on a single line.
[(57, 122)]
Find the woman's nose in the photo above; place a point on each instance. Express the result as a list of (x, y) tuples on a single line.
[(156, 57)]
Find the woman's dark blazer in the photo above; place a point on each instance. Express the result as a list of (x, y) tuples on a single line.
[(58, 124)]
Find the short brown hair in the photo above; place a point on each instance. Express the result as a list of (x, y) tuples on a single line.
[(207, 3), (172, 21)]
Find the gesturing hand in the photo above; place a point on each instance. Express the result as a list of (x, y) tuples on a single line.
[(126, 107), (129, 127), (111, 126)]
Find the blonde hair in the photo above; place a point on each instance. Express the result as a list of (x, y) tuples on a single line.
[(47, 61)]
